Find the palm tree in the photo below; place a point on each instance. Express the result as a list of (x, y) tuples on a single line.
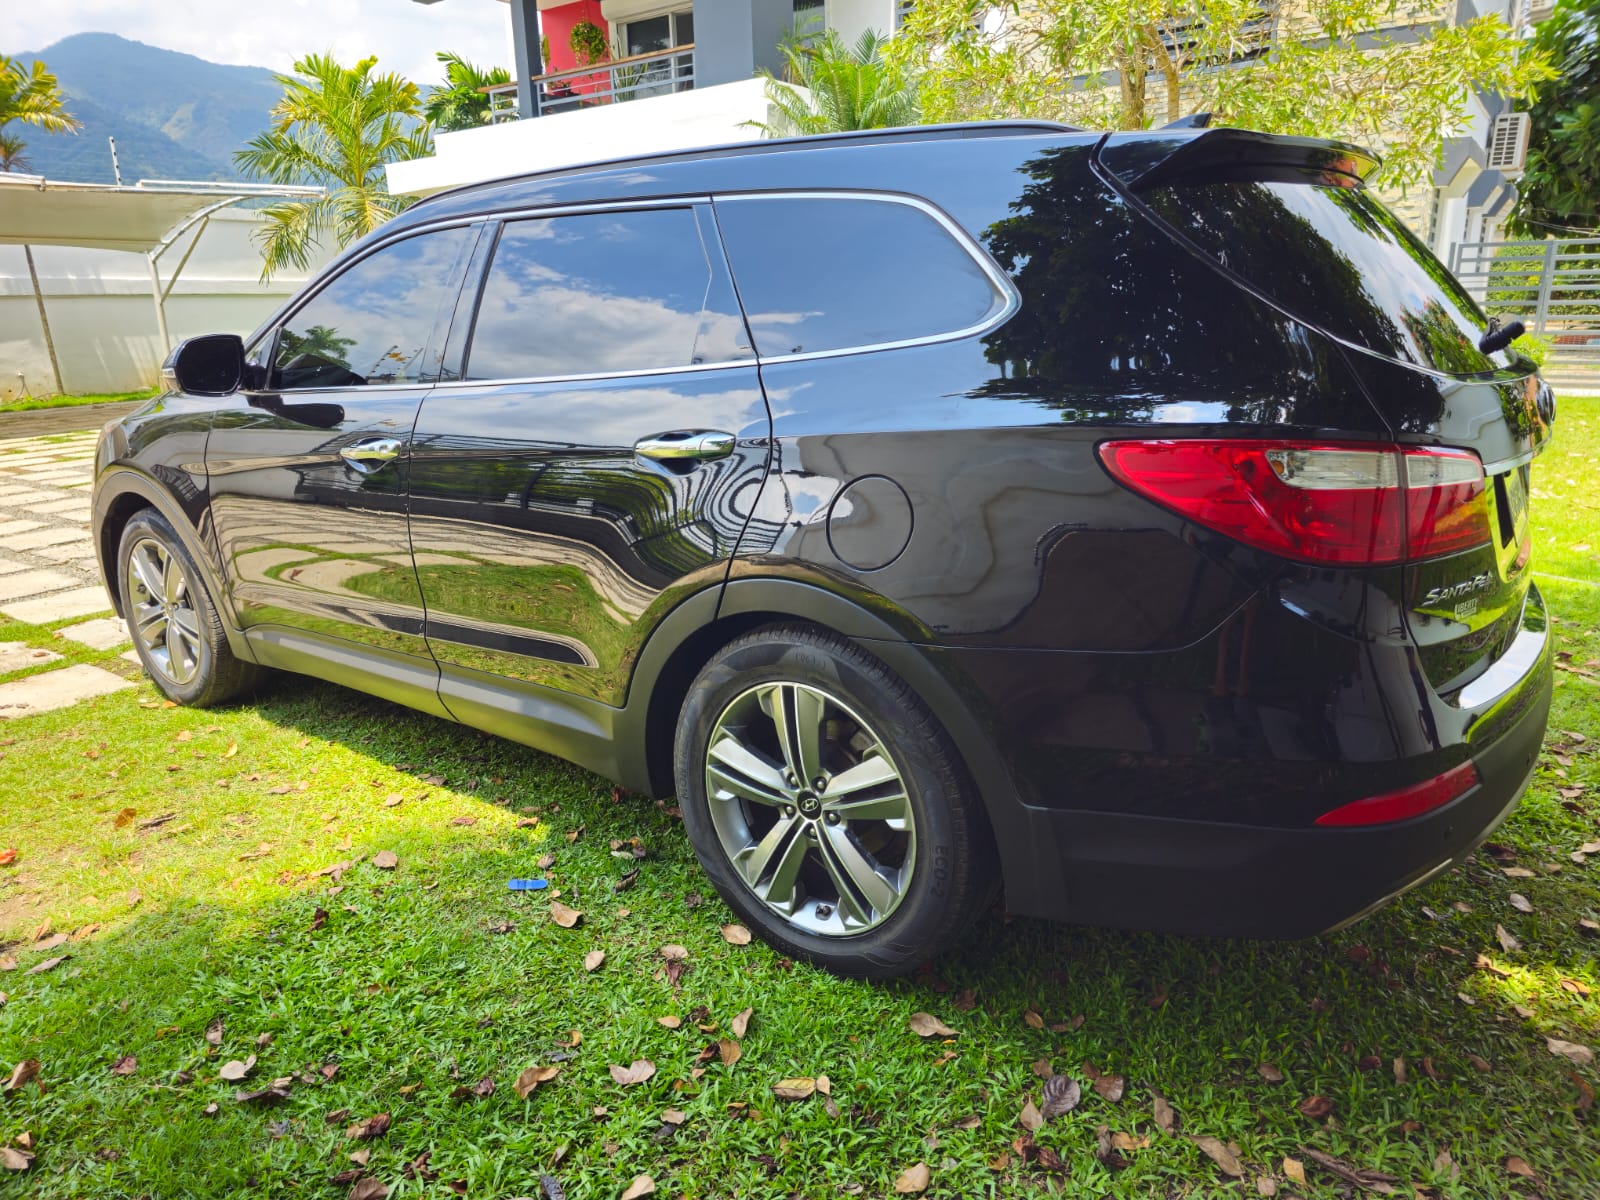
[(846, 87), (460, 104), (336, 127), (30, 95)]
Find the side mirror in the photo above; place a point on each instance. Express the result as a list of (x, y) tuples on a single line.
[(211, 365)]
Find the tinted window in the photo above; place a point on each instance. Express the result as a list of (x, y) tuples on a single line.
[(603, 293), (1339, 260), (371, 324), (817, 274)]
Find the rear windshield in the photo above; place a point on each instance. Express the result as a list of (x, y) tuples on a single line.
[(1339, 260)]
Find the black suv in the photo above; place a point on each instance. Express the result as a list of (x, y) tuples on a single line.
[(1139, 521)]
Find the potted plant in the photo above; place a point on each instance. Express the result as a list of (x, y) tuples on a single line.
[(589, 43)]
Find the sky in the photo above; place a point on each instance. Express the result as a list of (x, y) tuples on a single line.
[(273, 33)]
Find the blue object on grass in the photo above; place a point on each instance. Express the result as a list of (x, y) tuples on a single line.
[(528, 885)]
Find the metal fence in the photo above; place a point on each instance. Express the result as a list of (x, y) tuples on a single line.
[(610, 82), (1552, 286)]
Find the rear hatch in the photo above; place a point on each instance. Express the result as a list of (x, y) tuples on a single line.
[(1289, 220)]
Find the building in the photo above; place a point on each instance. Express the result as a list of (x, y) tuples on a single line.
[(676, 74)]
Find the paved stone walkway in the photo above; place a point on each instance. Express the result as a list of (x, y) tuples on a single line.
[(48, 569)]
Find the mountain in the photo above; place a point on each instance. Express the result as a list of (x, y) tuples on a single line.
[(174, 116)]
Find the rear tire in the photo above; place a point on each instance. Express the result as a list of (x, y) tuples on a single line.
[(176, 628), (828, 806)]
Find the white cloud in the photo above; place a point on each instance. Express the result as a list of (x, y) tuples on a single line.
[(273, 33)]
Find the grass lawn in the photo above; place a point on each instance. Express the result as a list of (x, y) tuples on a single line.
[(30, 403), (220, 871)]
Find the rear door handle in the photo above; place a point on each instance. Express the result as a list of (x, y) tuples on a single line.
[(371, 454), (682, 444)]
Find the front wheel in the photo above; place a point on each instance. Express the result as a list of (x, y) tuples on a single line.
[(828, 805), (174, 622)]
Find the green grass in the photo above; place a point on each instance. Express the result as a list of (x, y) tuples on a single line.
[(31, 403), (410, 990)]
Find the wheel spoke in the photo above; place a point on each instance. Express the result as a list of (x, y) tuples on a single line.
[(855, 877), (174, 582), (187, 624), (797, 712), (863, 793), (147, 571), (772, 866), (742, 772), (152, 626)]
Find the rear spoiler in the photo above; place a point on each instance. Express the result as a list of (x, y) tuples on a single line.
[(1141, 161)]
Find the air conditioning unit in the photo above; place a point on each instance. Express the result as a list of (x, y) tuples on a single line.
[(1508, 142), (1534, 11)]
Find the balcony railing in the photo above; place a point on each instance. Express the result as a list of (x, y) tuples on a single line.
[(612, 82)]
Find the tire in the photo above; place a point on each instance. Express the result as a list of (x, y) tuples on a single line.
[(872, 879), (164, 596)]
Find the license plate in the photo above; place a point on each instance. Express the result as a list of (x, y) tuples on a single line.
[(1514, 495)]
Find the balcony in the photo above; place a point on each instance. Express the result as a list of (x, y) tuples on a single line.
[(613, 82)]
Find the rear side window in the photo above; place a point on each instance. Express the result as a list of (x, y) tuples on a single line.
[(370, 325), (603, 293), (825, 273), (1340, 261)]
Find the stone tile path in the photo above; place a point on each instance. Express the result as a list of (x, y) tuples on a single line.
[(48, 570)]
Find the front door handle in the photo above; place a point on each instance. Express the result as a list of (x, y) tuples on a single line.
[(683, 444), (371, 454)]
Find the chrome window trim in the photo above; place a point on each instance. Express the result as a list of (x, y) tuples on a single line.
[(1005, 290)]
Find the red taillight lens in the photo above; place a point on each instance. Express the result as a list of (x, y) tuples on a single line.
[(1320, 502), (1407, 802)]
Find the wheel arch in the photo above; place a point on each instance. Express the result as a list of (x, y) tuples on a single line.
[(698, 628), (120, 495)]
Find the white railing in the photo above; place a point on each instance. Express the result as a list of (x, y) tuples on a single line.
[(612, 82)]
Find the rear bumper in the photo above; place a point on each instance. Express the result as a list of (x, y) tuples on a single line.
[(1225, 878)]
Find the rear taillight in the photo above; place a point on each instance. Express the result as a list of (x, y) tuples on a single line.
[(1412, 801), (1320, 502)]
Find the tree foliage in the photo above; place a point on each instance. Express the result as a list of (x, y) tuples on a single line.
[(460, 104), (1560, 187), (1390, 73), (336, 127), (29, 95), (845, 87)]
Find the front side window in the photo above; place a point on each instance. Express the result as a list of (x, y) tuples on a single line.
[(603, 294), (822, 273), (370, 325)]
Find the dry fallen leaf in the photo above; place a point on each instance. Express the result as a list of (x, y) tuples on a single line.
[(736, 935), (564, 916), (913, 1181), (675, 952), (1316, 1107), (1127, 1142), (1580, 1054), (23, 1073), (729, 1051), (1399, 1070), (927, 1025), (1270, 1073), (794, 1089), (1508, 943), (533, 1077), (1220, 1154), (1294, 1170), (48, 964), (593, 959), (214, 1032), (13, 1159), (368, 1188), (1518, 1166), (126, 1065), (640, 1070), (1109, 1087), (1032, 1019), (1166, 1118), (1031, 1119), (367, 1129), (669, 1022), (234, 1070), (642, 1185), (385, 860), (1061, 1096), (741, 1023), (8, 856), (1520, 902)]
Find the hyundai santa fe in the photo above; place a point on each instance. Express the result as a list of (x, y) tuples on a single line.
[(1133, 526)]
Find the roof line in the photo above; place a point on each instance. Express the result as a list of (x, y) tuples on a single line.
[(903, 133)]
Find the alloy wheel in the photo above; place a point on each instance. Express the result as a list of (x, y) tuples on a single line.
[(164, 617), (810, 809)]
